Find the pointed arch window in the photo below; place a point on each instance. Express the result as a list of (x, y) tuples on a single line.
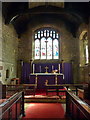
[(84, 56), (46, 44)]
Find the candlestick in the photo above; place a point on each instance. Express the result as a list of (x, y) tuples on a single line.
[(33, 68), (59, 68), (56, 80), (36, 79), (52, 67), (40, 68)]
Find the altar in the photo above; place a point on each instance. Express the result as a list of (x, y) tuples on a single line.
[(54, 73), (41, 78)]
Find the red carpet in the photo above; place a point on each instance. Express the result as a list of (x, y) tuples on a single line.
[(44, 110)]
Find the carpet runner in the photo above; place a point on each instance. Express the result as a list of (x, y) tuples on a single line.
[(40, 111)]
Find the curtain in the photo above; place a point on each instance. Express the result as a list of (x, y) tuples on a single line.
[(66, 70), (40, 67), (25, 73), (68, 75)]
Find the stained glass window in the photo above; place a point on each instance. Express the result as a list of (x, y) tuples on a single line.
[(55, 49), (49, 48), (46, 44), (37, 49), (87, 56), (43, 48)]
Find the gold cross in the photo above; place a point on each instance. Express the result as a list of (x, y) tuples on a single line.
[(46, 69)]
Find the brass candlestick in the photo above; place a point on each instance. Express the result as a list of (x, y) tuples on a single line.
[(56, 80), (46, 69)]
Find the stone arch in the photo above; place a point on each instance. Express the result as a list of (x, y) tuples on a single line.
[(83, 43)]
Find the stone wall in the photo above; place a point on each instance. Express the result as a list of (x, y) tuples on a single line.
[(84, 69), (9, 53), (69, 45), (0, 40), (13, 50)]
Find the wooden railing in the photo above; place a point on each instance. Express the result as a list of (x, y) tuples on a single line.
[(49, 87), (27, 88), (12, 108), (76, 109)]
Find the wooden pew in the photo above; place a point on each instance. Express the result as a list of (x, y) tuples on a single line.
[(2, 91), (13, 108), (76, 109)]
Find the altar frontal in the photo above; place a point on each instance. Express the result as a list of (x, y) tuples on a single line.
[(46, 72)]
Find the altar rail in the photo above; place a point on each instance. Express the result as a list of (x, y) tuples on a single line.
[(13, 107), (27, 88), (76, 109), (58, 87)]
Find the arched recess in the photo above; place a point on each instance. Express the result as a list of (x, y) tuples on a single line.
[(84, 56)]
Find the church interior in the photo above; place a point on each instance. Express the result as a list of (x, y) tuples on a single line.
[(45, 60)]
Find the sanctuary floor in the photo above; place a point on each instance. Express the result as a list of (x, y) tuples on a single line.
[(54, 111), (44, 110)]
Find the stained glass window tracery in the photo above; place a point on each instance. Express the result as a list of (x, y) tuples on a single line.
[(46, 44)]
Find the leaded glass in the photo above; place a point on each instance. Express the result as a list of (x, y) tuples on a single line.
[(37, 49), (57, 35), (49, 48), (87, 56), (38, 32), (55, 49), (47, 34), (53, 35), (50, 33), (43, 48), (44, 33), (35, 35), (46, 44), (39, 35)]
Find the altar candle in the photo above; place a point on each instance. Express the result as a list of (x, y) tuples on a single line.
[(40, 68), (33, 68), (52, 67), (59, 67)]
